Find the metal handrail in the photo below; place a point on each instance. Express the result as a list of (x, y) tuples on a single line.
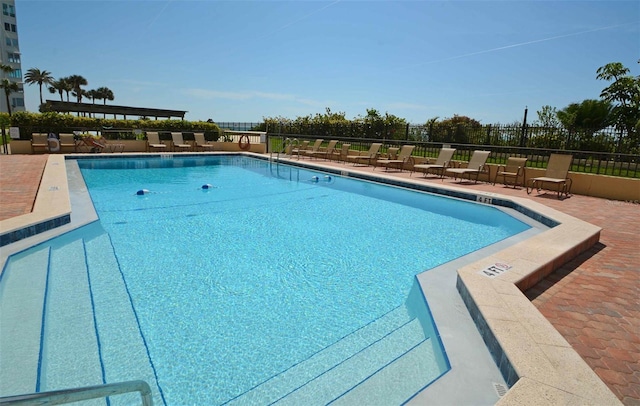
[(59, 397)]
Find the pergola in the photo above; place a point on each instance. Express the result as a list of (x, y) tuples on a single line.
[(92, 109)]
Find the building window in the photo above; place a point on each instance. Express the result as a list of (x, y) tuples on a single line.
[(17, 102), (8, 10), (13, 28), (17, 74), (11, 42), (13, 57), (7, 27)]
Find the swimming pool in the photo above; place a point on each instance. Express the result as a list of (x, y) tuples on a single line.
[(276, 221)]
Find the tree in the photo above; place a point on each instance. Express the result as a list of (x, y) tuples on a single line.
[(590, 115), (93, 95), (460, 129), (583, 120), (9, 87), (35, 75), (105, 94), (57, 86), (76, 82), (624, 93), (61, 86), (548, 117)]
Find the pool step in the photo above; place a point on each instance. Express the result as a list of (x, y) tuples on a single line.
[(70, 353), (298, 375), (88, 323), (342, 378), (22, 290), (120, 337), (396, 383)]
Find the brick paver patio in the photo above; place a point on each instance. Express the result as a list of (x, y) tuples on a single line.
[(593, 301)]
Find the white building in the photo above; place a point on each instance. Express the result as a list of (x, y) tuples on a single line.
[(10, 55)]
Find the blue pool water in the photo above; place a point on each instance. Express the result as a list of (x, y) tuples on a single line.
[(243, 292)]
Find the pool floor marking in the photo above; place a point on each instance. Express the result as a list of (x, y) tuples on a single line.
[(494, 270)]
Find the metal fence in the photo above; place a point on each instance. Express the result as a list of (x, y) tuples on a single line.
[(603, 163), (602, 140)]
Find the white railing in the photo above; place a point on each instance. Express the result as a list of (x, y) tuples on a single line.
[(77, 394)]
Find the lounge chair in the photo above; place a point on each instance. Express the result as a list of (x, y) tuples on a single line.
[(39, 141), (178, 142), (153, 141), (340, 154), (477, 165), (514, 170), (403, 157), (201, 143), (90, 144), (442, 162), (368, 156), (555, 174), (324, 153), (314, 148), (300, 149), (67, 141)]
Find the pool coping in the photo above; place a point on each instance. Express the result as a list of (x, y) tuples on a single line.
[(51, 208), (538, 364)]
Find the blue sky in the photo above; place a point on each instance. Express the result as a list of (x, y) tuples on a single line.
[(246, 60)]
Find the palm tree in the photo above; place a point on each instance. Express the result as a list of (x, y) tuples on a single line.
[(76, 81), (105, 94), (9, 87), (35, 75), (62, 85), (93, 95), (57, 86)]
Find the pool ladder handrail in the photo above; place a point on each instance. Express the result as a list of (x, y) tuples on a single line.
[(285, 143), (59, 397)]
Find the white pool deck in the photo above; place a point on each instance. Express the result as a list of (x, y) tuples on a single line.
[(540, 364)]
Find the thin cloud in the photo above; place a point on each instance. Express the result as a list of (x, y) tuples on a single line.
[(216, 94), (304, 17), (486, 51)]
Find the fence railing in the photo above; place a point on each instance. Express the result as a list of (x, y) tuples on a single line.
[(603, 163), (601, 140)]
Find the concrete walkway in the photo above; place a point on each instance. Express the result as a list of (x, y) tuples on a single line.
[(593, 301)]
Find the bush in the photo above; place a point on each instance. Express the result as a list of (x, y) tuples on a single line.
[(47, 122)]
